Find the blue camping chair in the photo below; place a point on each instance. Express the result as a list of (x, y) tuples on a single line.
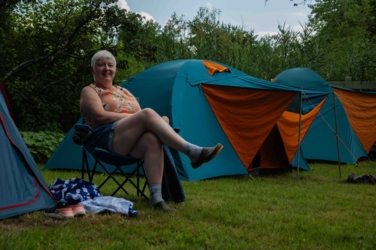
[(103, 157)]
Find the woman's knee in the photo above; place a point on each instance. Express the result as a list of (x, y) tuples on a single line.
[(148, 112), (147, 144), (151, 139), (150, 117)]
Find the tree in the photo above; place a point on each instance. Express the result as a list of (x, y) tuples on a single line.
[(215, 40), (138, 38), (206, 37), (6, 8), (46, 56), (173, 41), (346, 30)]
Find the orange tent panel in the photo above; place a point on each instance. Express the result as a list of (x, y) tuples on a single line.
[(288, 126), (213, 67), (361, 112), (247, 115)]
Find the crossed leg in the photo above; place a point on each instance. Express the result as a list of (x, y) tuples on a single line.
[(142, 135), (130, 129), (134, 135)]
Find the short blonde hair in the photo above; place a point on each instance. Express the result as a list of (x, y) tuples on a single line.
[(100, 55)]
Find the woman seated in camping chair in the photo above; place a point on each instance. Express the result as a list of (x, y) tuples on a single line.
[(122, 127)]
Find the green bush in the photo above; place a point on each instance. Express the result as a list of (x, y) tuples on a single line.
[(42, 144)]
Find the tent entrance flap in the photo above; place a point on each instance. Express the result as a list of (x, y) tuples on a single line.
[(273, 154), (288, 126), (247, 115), (361, 112)]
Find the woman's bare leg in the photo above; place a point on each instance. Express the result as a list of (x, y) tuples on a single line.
[(130, 129), (142, 134), (150, 148)]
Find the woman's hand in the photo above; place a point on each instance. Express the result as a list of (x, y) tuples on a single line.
[(165, 118)]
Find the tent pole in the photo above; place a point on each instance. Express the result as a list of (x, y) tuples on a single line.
[(336, 121), (299, 130)]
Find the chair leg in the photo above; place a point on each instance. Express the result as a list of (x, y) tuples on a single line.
[(120, 185), (145, 184), (140, 192), (128, 179), (109, 175), (138, 179), (140, 165), (85, 165)]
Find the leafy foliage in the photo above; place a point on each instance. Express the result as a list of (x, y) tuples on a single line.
[(206, 37), (138, 38), (337, 42), (346, 31), (42, 144), (46, 57)]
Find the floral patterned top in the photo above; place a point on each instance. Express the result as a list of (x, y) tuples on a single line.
[(121, 101)]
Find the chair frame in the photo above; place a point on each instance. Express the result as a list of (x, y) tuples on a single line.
[(103, 156)]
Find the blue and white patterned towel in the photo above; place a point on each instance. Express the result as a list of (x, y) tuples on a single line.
[(74, 189)]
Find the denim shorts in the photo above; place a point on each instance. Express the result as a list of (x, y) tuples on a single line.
[(101, 137)]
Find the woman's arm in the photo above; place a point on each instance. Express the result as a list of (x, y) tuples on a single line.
[(91, 104)]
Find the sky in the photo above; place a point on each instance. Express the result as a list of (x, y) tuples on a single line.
[(251, 14)]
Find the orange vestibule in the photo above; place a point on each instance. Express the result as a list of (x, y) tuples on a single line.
[(288, 127), (247, 116), (361, 112)]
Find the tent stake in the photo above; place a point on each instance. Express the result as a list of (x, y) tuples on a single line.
[(335, 119)]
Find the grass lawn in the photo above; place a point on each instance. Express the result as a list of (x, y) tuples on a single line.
[(318, 210)]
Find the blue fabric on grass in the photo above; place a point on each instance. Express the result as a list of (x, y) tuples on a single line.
[(109, 204), (74, 189)]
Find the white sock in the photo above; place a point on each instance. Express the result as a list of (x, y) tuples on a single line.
[(155, 193), (192, 151)]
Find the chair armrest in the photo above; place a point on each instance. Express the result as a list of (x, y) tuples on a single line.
[(82, 127), (80, 134)]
